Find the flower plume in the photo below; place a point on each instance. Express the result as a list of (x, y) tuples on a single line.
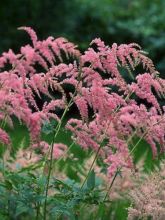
[(111, 107)]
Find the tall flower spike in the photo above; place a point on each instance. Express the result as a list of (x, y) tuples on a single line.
[(32, 34)]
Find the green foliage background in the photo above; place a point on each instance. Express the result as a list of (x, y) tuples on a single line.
[(120, 21)]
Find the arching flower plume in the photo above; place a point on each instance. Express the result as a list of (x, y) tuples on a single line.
[(113, 99)]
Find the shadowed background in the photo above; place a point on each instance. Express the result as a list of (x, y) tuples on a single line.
[(140, 21)]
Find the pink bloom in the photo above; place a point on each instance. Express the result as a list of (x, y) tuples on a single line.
[(31, 32), (4, 138), (98, 87), (82, 106)]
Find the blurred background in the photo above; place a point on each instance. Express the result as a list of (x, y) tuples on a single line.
[(120, 21)]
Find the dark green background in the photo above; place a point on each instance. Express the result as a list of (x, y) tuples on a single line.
[(120, 21)]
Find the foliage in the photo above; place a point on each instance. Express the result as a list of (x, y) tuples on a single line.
[(82, 20), (22, 196)]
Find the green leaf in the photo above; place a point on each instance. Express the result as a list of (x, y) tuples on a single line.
[(62, 211), (8, 185), (48, 127), (91, 180), (21, 209)]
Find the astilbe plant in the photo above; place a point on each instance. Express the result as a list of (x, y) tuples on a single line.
[(113, 108), (148, 197)]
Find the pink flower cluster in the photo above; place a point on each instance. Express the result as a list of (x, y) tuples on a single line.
[(21, 82), (148, 196), (118, 114), (99, 88)]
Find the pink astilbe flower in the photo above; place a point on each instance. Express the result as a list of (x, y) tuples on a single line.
[(143, 87), (99, 88), (120, 115), (4, 138), (82, 106), (148, 197), (31, 33), (20, 84)]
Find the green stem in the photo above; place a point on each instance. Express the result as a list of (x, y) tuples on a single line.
[(111, 184), (68, 149), (54, 137), (119, 169), (57, 129), (91, 167), (134, 147), (37, 211), (144, 134), (3, 123), (48, 180), (51, 155)]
